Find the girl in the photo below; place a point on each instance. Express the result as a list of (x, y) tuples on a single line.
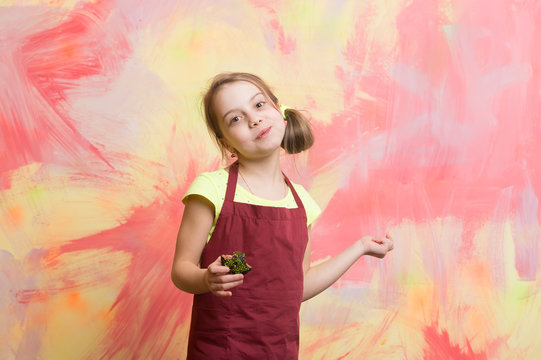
[(252, 207)]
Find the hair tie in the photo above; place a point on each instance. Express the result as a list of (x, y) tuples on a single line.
[(283, 109)]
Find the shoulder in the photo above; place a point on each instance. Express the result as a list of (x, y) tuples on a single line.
[(209, 185), (217, 176)]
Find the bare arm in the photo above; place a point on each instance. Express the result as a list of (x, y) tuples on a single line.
[(192, 237), (319, 277)]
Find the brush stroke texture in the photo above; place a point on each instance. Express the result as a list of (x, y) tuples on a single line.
[(426, 117)]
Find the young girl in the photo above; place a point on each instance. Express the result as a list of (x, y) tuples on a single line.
[(252, 207)]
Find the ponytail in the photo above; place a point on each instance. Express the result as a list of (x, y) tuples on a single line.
[(298, 135)]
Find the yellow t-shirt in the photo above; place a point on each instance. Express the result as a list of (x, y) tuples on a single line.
[(212, 186)]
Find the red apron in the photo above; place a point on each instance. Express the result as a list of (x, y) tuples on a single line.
[(261, 319)]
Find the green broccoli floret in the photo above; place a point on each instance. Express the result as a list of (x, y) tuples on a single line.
[(236, 263)]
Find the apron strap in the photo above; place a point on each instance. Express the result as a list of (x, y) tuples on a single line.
[(232, 181), (295, 195)]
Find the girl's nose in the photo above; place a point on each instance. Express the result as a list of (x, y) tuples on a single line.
[(255, 121)]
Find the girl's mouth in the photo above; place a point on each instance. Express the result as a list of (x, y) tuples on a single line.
[(263, 133)]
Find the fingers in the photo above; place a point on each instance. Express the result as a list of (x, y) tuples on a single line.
[(380, 241), (219, 280), (391, 242), (386, 239), (225, 280), (216, 268), (222, 288)]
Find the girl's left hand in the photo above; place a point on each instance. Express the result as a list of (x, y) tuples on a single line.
[(377, 247)]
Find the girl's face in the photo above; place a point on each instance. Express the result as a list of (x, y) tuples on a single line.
[(252, 127)]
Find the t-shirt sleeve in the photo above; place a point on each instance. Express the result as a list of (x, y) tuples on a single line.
[(205, 187), (310, 206)]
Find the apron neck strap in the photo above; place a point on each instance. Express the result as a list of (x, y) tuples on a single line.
[(295, 195), (232, 181)]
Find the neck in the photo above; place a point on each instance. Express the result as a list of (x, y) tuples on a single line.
[(263, 168), (263, 177)]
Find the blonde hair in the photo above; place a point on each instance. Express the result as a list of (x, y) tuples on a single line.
[(298, 135)]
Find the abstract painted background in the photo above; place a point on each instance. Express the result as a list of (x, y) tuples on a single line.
[(427, 116)]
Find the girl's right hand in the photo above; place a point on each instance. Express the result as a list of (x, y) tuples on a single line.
[(218, 279)]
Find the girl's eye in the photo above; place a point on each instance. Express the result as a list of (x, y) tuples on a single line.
[(235, 119), (259, 104)]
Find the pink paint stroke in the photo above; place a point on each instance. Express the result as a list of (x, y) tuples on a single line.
[(45, 68)]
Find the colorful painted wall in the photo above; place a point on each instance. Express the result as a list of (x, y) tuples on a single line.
[(427, 116)]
